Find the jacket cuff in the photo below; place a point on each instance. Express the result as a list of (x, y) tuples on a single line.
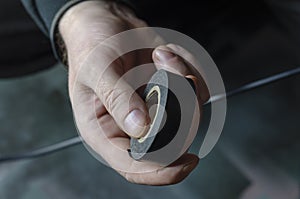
[(47, 13), (53, 31)]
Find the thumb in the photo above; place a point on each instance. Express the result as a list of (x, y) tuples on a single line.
[(123, 103)]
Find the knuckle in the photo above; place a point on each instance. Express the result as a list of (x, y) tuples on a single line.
[(113, 97)]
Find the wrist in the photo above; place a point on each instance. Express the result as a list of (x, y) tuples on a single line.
[(74, 29), (81, 27), (75, 22)]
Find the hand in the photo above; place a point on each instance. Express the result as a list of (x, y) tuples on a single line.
[(82, 28)]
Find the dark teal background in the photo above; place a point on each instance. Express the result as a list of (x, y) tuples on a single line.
[(258, 153)]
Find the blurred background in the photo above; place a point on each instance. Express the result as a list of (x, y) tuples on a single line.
[(257, 156)]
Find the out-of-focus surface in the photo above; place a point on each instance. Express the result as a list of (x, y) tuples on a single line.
[(256, 157), (24, 49)]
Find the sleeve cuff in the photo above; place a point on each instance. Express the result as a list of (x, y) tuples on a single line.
[(54, 26), (47, 13)]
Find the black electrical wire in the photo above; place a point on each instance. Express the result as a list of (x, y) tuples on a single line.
[(256, 84), (42, 151), (77, 140)]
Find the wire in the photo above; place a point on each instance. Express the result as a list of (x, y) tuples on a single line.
[(256, 84), (77, 140), (42, 151)]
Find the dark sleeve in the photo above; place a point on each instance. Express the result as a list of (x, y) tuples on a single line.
[(47, 13)]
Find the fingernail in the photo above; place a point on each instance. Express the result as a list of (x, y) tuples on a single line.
[(164, 55), (135, 123)]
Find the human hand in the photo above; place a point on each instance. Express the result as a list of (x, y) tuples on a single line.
[(83, 28)]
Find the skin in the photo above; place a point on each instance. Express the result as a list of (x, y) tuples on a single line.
[(82, 28)]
